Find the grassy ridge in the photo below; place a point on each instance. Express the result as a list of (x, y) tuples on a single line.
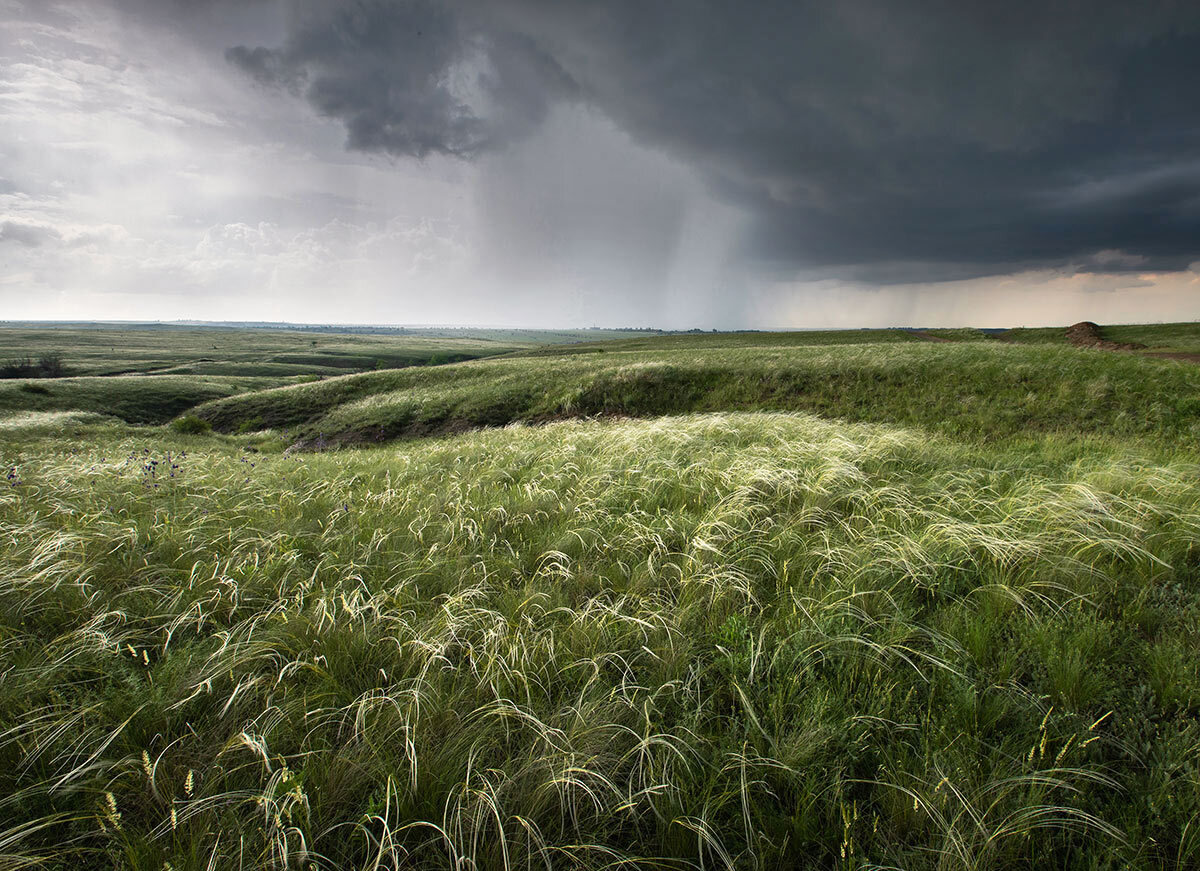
[(731, 640), (1158, 337), (751, 339), (133, 398), (959, 334), (971, 390), (1183, 337)]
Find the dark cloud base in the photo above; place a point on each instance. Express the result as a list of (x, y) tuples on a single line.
[(966, 138)]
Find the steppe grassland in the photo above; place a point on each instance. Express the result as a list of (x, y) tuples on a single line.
[(1182, 337), (751, 640), (969, 390), (171, 350), (726, 640), (170, 370), (141, 399), (698, 340)]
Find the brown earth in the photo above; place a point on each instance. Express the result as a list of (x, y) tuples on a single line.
[(1086, 334)]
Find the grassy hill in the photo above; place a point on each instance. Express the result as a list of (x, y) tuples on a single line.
[(132, 398), (151, 373), (1182, 338), (973, 390)]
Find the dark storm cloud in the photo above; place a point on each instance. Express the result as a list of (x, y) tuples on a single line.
[(411, 78), (954, 137)]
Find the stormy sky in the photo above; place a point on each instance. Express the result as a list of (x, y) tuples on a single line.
[(708, 163)]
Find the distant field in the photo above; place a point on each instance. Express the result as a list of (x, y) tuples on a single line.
[(959, 334), (1156, 337), (510, 335), (99, 350), (1036, 335), (702, 341), (971, 390)]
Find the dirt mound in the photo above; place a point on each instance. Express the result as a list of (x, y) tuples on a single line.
[(1086, 334)]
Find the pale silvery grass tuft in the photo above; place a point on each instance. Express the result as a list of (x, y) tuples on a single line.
[(721, 641)]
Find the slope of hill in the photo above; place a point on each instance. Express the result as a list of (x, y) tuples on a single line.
[(1182, 337), (132, 398), (976, 389)]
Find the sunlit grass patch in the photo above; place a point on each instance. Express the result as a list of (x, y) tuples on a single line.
[(46, 422), (723, 640), (969, 390)]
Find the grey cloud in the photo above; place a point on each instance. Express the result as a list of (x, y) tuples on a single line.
[(28, 235), (264, 66), (958, 139), (411, 78)]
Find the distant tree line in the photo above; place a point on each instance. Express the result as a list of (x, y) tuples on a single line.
[(48, 365)]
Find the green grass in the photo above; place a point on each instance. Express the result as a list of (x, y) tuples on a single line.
[(1158, 337), (1184, 337), (706, 341), (108, 350), (273, 370), (519, 336), (132, 398), (951, 623), (968, 390), (1036, 335), (746, 640), (960, 334)]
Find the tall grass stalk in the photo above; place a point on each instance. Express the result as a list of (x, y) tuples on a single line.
[(717, 641)]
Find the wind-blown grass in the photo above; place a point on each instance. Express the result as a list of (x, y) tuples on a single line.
[(969, 390), (747, 640), (1183, 337), (132, 398)]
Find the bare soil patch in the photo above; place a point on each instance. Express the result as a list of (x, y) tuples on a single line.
[(1086, 334)]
